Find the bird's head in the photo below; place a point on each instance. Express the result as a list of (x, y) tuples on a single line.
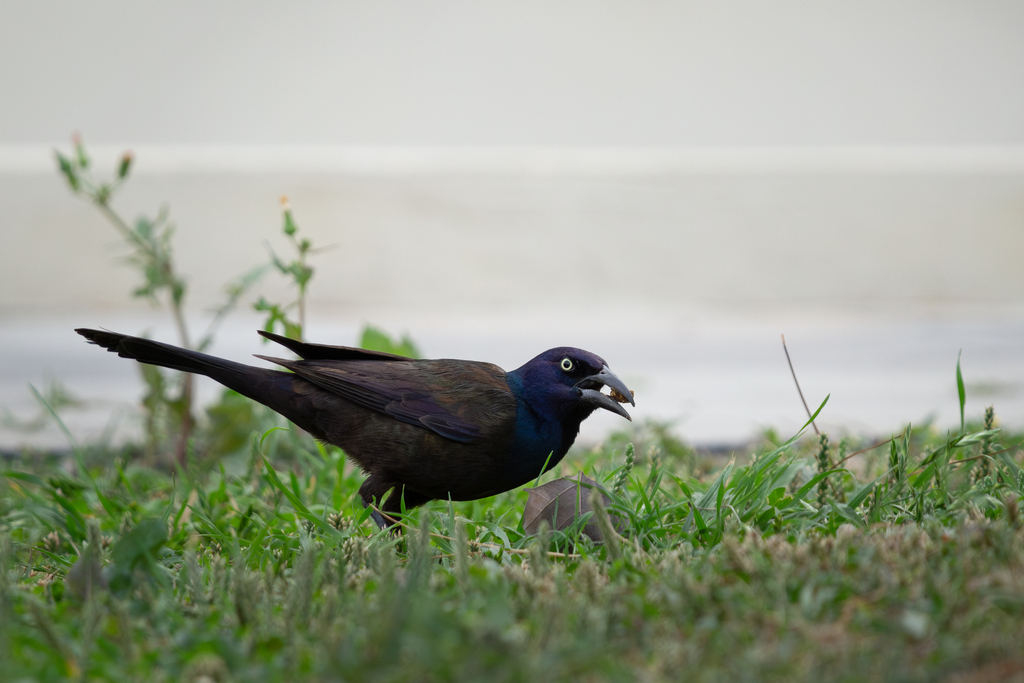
[(568, 382)]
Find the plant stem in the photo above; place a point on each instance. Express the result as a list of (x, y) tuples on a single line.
[(115, 219), (798, 389), (187, 386)]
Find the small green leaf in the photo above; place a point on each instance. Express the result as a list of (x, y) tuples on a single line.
[(83, 158), (289, 223), (961, 392), (813, 417), (125, 166), (698, 519), (374, 339), (68, 170)]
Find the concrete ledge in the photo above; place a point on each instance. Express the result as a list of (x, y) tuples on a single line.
[(484, 229), (614, 161)]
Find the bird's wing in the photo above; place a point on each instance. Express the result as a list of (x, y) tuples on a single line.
[(454, 399), (309, 351)]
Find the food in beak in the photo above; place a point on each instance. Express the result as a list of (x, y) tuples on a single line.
[(621, 398)]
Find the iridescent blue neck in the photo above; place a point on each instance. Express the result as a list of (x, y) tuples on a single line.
[(540, 435)]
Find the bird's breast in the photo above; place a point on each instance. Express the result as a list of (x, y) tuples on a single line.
[(537, 441)]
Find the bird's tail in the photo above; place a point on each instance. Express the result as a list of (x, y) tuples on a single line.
[(164, 355), (272, 388)]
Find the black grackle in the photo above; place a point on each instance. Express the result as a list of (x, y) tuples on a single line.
[(423, 429)]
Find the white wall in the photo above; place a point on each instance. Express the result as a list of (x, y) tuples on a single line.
[(430, 230), (670, 184), (581, 73), (667, 153)]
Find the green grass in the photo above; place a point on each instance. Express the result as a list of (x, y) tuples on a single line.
[(261, 565), (258, 563)]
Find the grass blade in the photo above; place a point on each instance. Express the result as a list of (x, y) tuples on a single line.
[(961, 392)]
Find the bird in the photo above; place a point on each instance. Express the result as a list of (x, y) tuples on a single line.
[(419, 429)]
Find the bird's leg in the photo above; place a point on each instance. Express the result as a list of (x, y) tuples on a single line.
[(402, 494), (380, 520), (372, 492)]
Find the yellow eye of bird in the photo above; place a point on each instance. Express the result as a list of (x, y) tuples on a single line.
[(567, 365)]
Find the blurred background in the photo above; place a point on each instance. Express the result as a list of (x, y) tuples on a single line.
[(671, 185)]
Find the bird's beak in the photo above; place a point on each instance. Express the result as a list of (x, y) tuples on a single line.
[(589, 392)]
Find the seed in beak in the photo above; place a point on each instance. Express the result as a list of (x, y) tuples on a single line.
[(615, 394)]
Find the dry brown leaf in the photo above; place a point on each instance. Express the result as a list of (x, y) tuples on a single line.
[(561, 502)]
